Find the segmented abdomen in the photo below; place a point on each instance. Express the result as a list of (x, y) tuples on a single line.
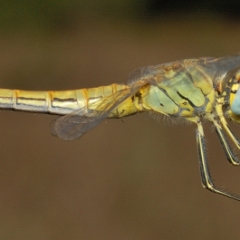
[(56, 102)]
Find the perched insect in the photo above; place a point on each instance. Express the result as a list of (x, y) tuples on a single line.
[(193, 89)]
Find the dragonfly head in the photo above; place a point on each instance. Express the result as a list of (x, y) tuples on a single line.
[(234, 99)]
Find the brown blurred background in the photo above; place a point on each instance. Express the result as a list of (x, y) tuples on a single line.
[(134, 179)]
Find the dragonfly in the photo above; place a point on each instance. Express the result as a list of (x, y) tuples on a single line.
[(192, 89)]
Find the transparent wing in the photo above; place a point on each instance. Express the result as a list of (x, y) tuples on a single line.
[(227, 66), (141, 73), (75, 124), (229, 63)]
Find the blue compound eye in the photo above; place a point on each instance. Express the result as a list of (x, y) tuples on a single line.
[(236, 103)]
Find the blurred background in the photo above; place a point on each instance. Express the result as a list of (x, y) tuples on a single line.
[(131, 179)]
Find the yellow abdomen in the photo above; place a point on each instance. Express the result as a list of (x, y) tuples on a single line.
[(64, 102)]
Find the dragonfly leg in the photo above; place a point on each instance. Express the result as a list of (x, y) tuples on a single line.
[(226, 147), (203, 164), (225, 124), (230, 133)]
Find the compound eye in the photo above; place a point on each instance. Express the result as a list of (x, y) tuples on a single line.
[(235, 104)]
